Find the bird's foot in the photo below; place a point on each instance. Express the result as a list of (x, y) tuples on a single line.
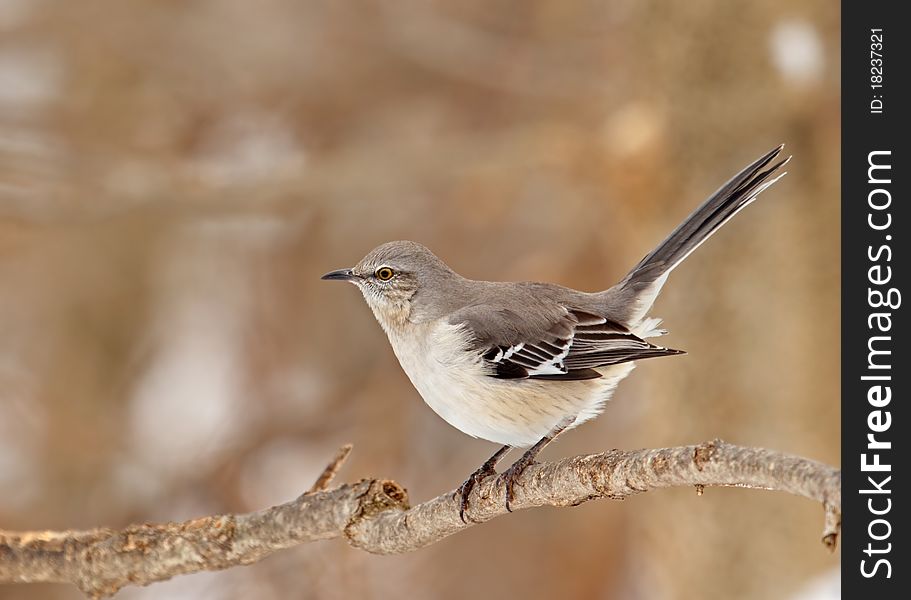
[(510, 476), (483, 472)]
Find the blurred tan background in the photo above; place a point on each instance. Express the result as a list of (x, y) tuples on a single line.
[(175, 176)]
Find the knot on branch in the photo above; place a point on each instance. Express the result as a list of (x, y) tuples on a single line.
[(381, 495), (704, 453)]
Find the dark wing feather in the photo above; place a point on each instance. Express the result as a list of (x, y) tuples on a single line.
[(569, 347)]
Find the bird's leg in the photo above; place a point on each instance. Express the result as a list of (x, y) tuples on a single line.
[(485, 470), (512, 474)]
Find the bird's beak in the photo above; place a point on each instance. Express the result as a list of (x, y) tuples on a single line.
[(341, 275)]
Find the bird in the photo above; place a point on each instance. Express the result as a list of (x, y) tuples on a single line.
[(519, 363)]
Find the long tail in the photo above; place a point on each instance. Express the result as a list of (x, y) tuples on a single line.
[(631, 299)]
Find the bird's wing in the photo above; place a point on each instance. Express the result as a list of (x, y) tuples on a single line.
[(570, 345)]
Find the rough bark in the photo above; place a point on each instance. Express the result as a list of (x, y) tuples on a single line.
[(374, 515)]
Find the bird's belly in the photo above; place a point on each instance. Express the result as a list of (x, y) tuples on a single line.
[(517, 412)]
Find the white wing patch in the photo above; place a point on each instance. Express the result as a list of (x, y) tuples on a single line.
[(543, 358)]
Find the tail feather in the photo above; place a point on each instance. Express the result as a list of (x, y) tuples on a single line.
[(630, 299)]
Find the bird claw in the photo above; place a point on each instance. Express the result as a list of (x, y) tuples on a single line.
[(472, 482), (510, 476)]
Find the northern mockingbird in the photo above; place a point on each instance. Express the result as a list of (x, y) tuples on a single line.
[(519, 363)]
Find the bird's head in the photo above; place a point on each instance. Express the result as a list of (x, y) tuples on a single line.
[(397, 279)]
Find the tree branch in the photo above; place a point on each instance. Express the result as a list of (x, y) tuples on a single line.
[(374, 515)]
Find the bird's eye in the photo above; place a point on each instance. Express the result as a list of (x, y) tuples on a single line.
[(384, 273)]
